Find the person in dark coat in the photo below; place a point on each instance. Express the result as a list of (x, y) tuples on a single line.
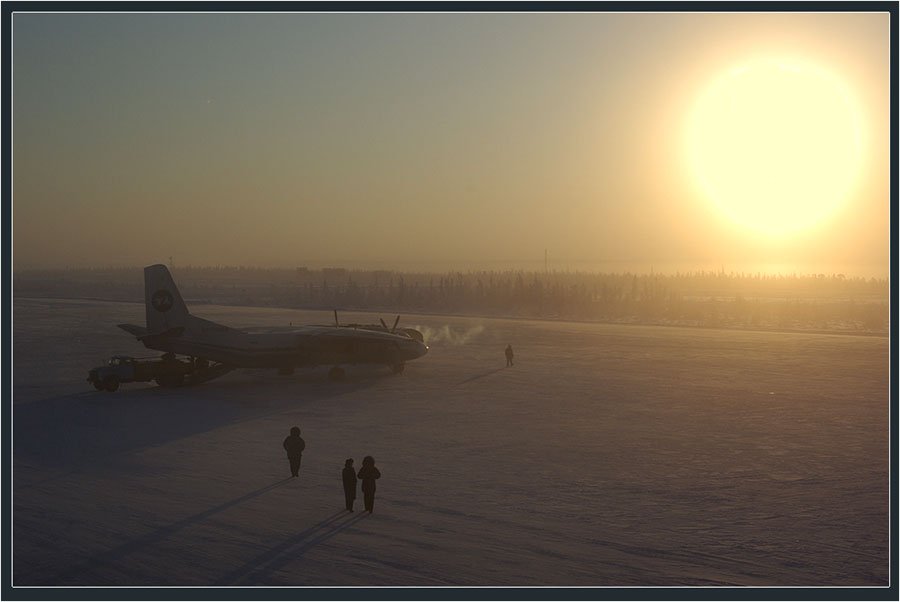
[(294, 447), (509, 355), (368, 473), (349, 477)]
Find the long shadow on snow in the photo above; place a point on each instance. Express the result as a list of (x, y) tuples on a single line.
[(257, 569), (482, 375), (75, 430), (83, 570)]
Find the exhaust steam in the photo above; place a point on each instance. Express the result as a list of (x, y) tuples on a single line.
[(445, 334)]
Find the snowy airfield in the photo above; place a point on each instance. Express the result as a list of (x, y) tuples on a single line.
[(609, 455)]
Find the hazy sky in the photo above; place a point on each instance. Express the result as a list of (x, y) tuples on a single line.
[(420, 140)]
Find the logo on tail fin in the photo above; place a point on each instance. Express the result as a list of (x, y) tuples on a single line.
[(162, 300)]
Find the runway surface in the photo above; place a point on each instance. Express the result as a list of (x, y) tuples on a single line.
[(608, 455)]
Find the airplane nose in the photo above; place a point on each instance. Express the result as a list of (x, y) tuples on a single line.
[(418, 349)]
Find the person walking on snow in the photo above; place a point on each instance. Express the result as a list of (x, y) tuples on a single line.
[(368, 473), (348, 475), (294, 447)]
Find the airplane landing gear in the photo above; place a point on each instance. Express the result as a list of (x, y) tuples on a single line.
[(336, 373), (398, 368), (170, 380)]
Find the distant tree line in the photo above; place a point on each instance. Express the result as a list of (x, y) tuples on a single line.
[(711, 299)]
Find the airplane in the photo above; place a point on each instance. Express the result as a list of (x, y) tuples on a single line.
[(171, 328)]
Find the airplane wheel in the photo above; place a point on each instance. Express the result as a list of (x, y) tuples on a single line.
[(398, 368), (336, 373), (111, 384)]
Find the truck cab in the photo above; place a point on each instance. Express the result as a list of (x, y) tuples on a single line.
[(118, 369)]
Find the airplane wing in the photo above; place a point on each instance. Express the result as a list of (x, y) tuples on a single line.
[(142, 333), (138, 331)]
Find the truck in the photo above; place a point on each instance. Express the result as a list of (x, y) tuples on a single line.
[(167, 371)]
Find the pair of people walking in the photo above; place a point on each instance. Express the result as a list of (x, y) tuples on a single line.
[(367, 474)]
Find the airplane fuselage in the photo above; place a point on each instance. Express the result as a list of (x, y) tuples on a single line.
[(288, 347)]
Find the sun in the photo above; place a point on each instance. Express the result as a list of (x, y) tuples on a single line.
[(775, 145)]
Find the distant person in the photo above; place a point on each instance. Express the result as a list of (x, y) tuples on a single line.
[(368, 473), (349, 477), (294, 447), (509, 355)]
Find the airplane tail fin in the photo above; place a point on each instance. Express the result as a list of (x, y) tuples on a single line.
[(165, 307)]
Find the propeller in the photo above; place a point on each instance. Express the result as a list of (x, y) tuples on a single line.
[(410, 332), (383, 325), (336, 323)]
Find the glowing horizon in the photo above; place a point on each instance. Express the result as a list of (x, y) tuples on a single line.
[(280, 140)]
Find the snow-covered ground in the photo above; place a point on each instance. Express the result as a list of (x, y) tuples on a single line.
[(609, 455)]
